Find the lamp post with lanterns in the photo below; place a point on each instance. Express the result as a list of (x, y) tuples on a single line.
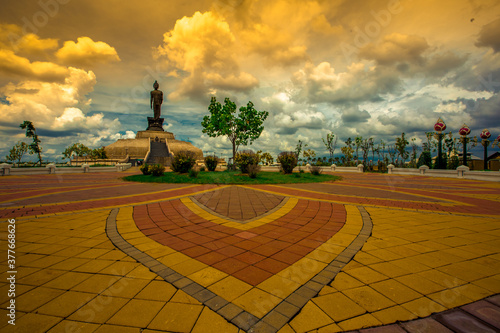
[(485, 135), (464, 131), (439, 127)]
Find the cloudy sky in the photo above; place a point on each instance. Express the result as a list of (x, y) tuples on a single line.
[(81, 71)]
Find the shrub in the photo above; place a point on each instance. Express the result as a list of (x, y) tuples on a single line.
[(287, 161), (193, 173), (211, 162), (246, 158), (425, 159), (202, 168), (316, 170), (157, 169), (253, 170), (145, 169), (453, 162), (183, 161)]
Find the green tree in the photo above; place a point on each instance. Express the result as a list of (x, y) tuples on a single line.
[(298, 149), (358, 141), (97, 154), (391, 150), (330, 143), (413, 156), (365, 148), (16, 153), (241, 129), (309, 154), (267, 158), (34, 147), (77, 149), (401, 144), (348, 151)]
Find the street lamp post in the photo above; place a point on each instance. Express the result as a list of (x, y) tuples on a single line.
[(464, 131), (439, 127), (485, 135)]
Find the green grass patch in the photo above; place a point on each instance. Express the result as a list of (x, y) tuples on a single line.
[(233, 177)]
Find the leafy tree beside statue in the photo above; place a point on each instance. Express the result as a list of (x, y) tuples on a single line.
[(241, 129)]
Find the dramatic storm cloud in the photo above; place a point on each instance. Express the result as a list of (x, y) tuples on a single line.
[(82, 70)]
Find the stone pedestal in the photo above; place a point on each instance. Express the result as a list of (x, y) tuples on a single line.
[(155, 124)]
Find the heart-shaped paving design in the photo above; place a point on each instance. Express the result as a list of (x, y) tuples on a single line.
[(252, 255), (258, 269)]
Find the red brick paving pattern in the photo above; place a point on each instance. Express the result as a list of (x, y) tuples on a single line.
[(276, 245), (239, 203)]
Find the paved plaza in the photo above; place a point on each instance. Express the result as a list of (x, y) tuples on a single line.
[(385, 252)]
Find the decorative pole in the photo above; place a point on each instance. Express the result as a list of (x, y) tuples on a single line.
[(439, 127), (464, 131), (485, 135)]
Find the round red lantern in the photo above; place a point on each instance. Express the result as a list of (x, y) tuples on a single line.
[(440, 126), (465, 130), (485, 134)]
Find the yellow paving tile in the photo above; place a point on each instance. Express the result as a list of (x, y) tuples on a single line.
[(93, 266), (410, 265), (92, 253), (230, 288), (436, 259), (338, 306), (420, 284), (176, 317), (73, 326), (441, 278), (189, 267), (207, 276), (393, 314), (366, 258), (66, 304), (344, 281), (423, 307), (472, 291), (327, 290), (366, 320), (389, 269), (157, 291), (141, 272), (368, 298), (330, 329), (126, 287), (286, 329), (384, 254), (36, 323), (70, 263), (67, 280), (257, 302), (137, 313), (366, 275), (467, 270), (181, 297), (99, 309), (173, 259), (211, 322), (491, 283), (96, 283), (279, 286), (310, 317), (395, 291), (450, 298), (119, 268), (35, 298)]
